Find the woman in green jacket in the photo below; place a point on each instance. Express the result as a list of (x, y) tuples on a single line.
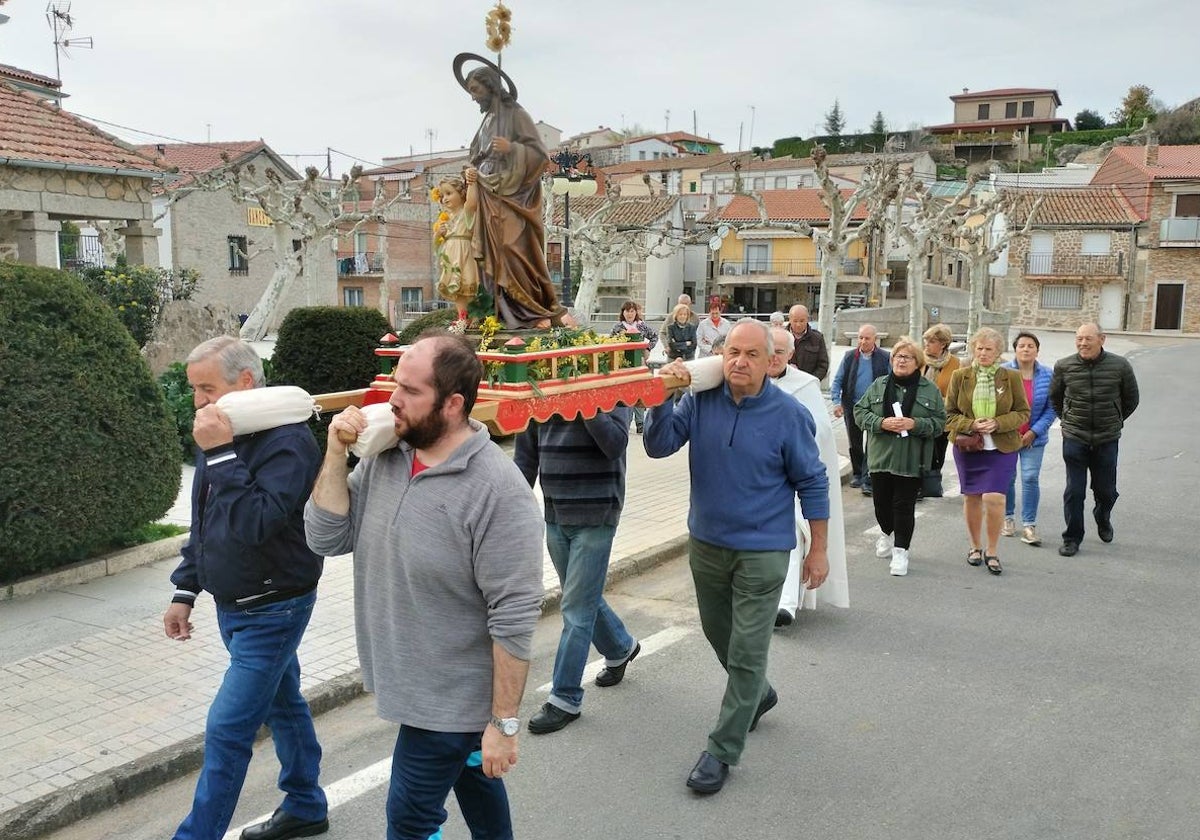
[(902, 414)]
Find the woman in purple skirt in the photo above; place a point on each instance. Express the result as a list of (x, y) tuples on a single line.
[(985, 408)]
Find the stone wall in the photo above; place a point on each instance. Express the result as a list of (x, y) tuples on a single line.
[(182, 325), (77, 184), (1166, 265)]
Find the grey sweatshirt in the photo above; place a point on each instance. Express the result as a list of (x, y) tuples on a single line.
[(444, 563)]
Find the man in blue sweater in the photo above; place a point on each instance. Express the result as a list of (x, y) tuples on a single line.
[(581, 464), (752, 452)]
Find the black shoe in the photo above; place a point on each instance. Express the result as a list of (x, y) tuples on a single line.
[(783, 618), (709, 774), (765, 705), (550, 718), (1068, 548), (283, 825), (610, 675), (866, 489), (855, 481), (1104, 529)]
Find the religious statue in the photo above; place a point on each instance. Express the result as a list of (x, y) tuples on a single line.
[(509, 159)]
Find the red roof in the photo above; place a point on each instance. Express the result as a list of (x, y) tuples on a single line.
[(7, 70), (1174, 162), (1065, 207), (34, 131), (802, 205), (194, 158), (635, 211), (1000, 92)]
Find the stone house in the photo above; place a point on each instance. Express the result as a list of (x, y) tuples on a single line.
[(1078, 262), (55, 168), (1163, 186), (998, 124)]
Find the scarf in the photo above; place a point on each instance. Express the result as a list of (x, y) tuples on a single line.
[(909, 384), (936, 364), (983, 400)]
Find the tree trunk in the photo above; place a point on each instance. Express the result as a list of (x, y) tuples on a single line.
[(830, 272), (979, 281), (286, 270), (589, 286), (916, 296)]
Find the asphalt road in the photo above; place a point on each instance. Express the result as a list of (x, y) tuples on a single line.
[(1059, 700)]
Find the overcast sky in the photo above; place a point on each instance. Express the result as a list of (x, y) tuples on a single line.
[(372, 78)]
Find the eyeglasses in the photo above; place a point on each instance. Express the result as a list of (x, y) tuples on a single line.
[(900, 357)]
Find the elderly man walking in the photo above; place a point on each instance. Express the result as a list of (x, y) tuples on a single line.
[(809, 352), (753, 452), (859, 368), (1094, 392)]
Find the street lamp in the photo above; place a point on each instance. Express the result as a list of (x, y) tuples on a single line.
[(571, 179)]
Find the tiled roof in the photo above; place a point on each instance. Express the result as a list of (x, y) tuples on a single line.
[(416, 165), (1174, 162), (195, 158), (662, 164), (832, 161), (626, 211), (675, 137), (8, 71), (976, 126), (785, 206), (998, 92), (1072, 206), (31, 130)]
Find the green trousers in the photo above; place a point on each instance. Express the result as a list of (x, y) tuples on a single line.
[(738, 596)]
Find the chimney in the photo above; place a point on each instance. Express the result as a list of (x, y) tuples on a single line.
[(966, 90), (1152, 149)]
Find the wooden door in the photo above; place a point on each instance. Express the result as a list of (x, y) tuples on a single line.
[(1168, 306)]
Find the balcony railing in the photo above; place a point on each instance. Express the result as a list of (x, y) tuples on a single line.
[(78, 251), (1180, 232), (1076, 265), (367, 262), (784, 268)]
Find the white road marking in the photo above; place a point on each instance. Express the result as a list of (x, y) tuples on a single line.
[(650, 645)]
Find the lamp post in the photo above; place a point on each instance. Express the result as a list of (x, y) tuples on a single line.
[(571, 179)]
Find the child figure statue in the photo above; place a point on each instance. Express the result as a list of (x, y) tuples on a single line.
[(455, 231)]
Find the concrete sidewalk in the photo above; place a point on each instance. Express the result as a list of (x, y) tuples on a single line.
[(97, 705)]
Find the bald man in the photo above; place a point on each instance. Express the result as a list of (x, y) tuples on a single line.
[(810, 353)]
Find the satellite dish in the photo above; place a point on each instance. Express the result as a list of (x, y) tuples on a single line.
[(723, 231), (714, 244)]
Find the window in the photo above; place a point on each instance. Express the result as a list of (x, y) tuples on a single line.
[(985, 111), (1096, 243), (691, 186), (759, 183), (410, 298), (239, 259), (780, 182), (758, 258), (657, 155), (1027, 108), (1010, 110), (1187, 205), (360, 242), (352, 296), (642, 154), (806, 181), (1062, 297)]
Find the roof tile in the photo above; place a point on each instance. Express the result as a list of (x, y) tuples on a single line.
[(1076, 206), (803, 205)]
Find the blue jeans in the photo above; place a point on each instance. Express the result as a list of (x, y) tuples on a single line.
[(1030, 467), (580, 556), (1101, 462), (426, 766), (262, 685)]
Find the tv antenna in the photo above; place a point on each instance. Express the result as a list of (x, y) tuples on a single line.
[(58, 15)]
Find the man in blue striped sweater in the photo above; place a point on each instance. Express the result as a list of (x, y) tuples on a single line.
[(581, 464)]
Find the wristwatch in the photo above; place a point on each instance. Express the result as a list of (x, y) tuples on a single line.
[(507, 726)]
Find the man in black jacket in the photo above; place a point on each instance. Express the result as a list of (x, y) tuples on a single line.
[(810, 354), (247, 549), (1094, 392)]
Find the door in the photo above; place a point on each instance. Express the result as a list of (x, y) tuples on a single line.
[(1041, 253), (1168, 306), (766, 300), (1112, 305)]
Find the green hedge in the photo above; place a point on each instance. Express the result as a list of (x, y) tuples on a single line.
[(1095, 137), (182, 406), (89, 450), (438, 319), (328, 348)]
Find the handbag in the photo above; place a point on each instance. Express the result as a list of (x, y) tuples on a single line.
[(969, 443)]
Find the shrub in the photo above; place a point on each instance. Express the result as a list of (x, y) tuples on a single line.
[(328, 348), (89, 451), (136, 293), (178, 394), (438, 319)]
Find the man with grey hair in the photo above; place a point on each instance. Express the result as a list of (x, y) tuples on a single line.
[(247, 549), (809, 353), (752, 452), (859, 368)]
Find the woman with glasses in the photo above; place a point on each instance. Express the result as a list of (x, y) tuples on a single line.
[(632, 323), (939, 366), (902, 414), (1035, 378), (984, 410)]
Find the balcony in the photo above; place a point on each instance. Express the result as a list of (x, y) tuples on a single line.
[(77, 252), (1179, 232), (1075, 265), (777, 268), (359, 264)]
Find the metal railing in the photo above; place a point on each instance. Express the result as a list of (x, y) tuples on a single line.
[(365, 262), (782, 268), (79, 251), (1180, 231), (1078, 265)]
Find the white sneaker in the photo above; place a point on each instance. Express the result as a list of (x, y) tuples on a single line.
[(899, 566), (1029, 535), (1009, 529), (883, 545)]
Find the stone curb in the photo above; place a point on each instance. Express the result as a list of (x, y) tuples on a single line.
[(88, 570)]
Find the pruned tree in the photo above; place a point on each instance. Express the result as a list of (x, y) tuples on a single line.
[(306, 210)]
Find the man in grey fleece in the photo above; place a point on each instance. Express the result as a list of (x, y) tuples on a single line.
[(447, 543), (581, 464)]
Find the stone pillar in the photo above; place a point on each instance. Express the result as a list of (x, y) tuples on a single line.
[(37, 240), (141, 243)]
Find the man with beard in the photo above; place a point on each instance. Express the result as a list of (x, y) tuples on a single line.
[(447, 542), (509, 234)]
